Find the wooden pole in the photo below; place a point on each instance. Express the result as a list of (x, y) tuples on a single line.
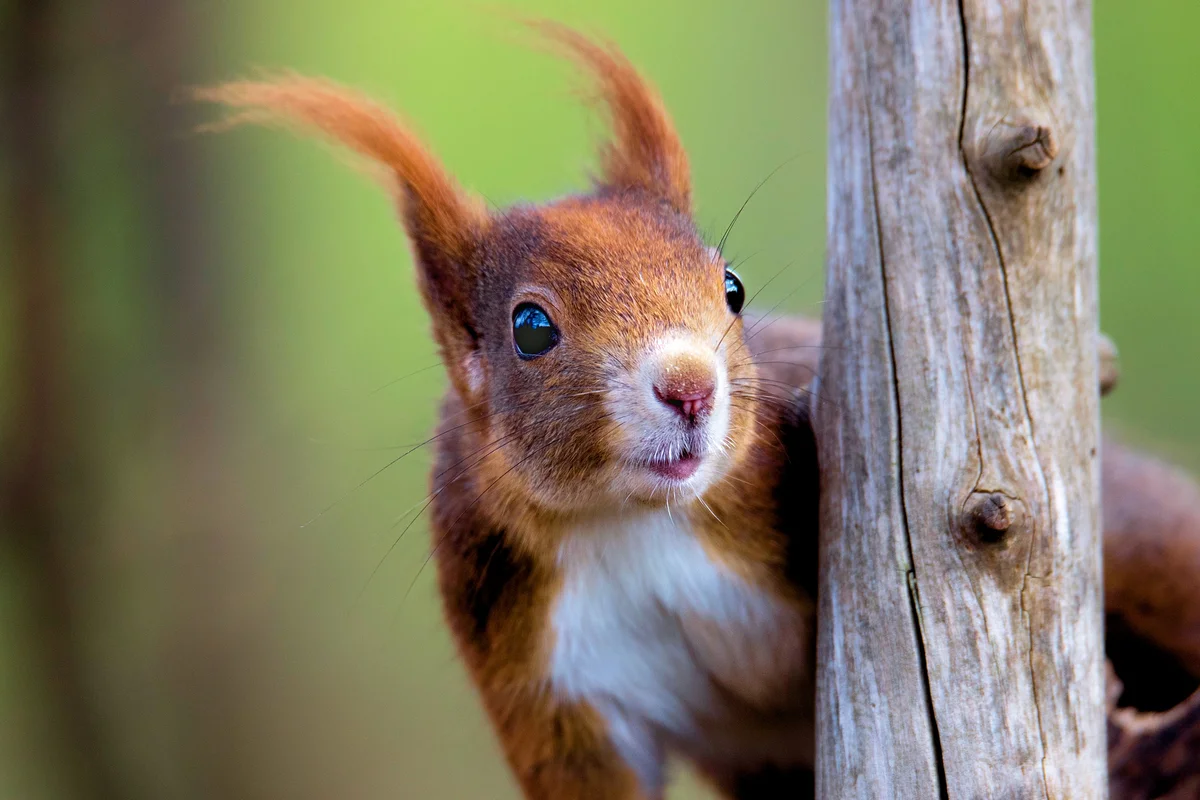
[(960, 648)]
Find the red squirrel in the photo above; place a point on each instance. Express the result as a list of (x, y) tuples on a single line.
[(625, 489)]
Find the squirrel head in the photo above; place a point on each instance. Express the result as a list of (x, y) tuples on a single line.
[(595, 342)]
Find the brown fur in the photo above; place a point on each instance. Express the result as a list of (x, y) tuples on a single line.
[(527, 448), (1152, 552), (445, 226), (496, 599), (645, 152)]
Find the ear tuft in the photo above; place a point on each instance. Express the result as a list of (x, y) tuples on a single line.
[(445, 226), (437, 212), (645, 152)]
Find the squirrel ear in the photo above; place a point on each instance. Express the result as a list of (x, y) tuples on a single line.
[(443, 223), (645, 152)]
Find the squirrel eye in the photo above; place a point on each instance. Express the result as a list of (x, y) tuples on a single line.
[(533, 332), (735, 293)]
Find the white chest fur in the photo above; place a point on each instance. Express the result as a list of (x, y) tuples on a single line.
[(620, 640)]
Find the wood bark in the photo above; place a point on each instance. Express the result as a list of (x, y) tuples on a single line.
[(960, 647)]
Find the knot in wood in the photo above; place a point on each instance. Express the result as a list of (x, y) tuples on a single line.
[(991, 515), (1020, 149)]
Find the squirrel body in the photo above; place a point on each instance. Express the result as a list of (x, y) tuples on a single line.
[(625, 493), (644, 629)]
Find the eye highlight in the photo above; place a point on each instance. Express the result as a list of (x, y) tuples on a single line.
[(735, 293), (533, 333)]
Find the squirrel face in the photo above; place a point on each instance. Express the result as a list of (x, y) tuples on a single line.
[(610, 353), (592, 341)]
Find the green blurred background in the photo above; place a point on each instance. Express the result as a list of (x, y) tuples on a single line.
[(237, 311)]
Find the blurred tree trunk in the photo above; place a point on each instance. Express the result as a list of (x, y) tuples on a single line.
[(960, 628), (41, 482), (203, 659), (253, 722), (217, 655)]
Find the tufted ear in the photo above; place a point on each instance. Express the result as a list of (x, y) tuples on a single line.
[(444, 224), (645, 152)]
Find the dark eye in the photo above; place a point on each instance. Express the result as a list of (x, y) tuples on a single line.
[(533, 332), (735, 293)]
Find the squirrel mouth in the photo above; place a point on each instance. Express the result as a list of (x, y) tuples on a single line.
[(679, 468)]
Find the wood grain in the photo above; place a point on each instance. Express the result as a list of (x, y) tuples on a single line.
[(960, 646)]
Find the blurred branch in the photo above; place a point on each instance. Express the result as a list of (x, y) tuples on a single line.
[(34, 480)]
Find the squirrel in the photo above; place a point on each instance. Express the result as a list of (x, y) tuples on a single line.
[(625, 489)]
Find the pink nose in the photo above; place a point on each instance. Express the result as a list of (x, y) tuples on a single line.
[(690, 398)]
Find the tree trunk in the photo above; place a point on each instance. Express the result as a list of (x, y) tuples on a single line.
[(960, 647)]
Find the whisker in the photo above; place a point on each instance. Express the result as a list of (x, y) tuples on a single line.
[(383, 469), (809, 367), (747, 304), (802, 391), (742, 262), (706, 505), (746, 202), (754, 331), (490, 448), (405, 377), (463, 513), (439, 435), (800, 347)]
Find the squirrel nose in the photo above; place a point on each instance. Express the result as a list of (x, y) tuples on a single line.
[(691, 398)]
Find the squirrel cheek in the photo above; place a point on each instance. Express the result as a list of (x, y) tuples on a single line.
[(472, 370)]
